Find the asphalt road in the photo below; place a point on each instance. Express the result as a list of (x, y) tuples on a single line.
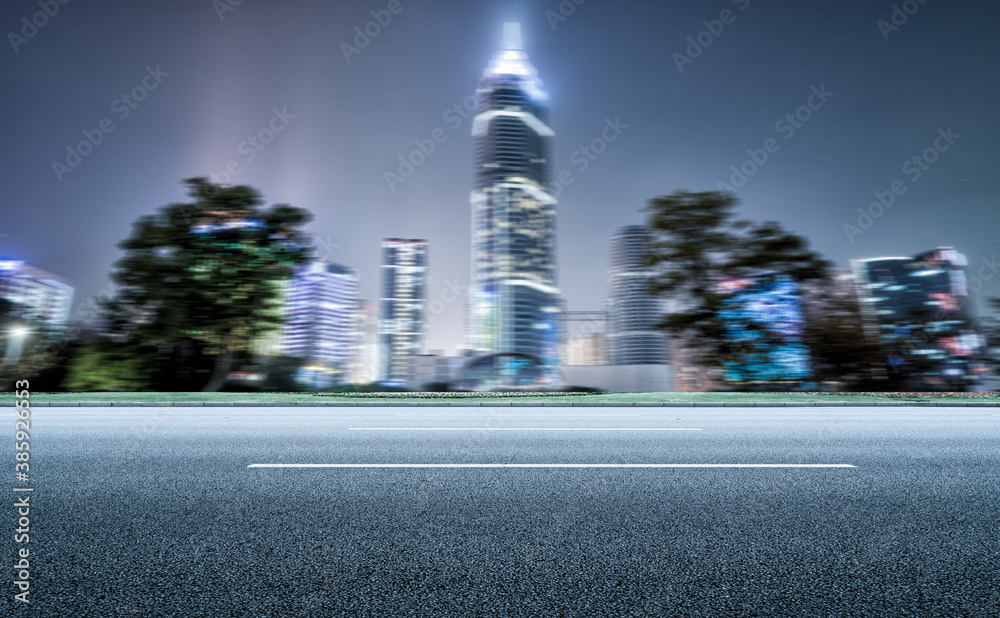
[(156, 512)]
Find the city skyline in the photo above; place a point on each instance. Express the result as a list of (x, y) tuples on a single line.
[(337, 124)]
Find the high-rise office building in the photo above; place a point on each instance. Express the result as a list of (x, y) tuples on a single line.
[(515, 302), (320, 323), (401, 306), (633, 312), (916, 309), (36, 294), (366, 369)]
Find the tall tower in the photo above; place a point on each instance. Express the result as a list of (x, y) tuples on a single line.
[(401, 306), (515, 302), (633, 312)]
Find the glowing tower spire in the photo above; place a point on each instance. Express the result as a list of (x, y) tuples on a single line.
[(515, 304)]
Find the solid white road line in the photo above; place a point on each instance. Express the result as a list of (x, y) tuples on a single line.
[(509, 414), (570, 465), (521, 429)]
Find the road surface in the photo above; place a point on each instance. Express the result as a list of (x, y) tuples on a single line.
[(814, 512)]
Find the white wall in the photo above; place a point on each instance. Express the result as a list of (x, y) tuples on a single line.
[(620, 378)]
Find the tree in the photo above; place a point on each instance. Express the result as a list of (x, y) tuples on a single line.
[(207, 270), (106, 366), (698, 243), (841, 350)]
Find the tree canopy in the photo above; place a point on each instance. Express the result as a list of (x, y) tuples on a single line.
[(697, 243), (208, 270)]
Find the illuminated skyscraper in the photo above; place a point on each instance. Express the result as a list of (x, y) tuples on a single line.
[(401, 306), (633, 312), (320, 323), (916, 308), (515, 302), (37, 294)]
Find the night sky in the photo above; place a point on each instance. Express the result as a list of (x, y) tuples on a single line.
[(345, 123)]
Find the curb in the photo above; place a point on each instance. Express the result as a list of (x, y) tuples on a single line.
[(514, 404)]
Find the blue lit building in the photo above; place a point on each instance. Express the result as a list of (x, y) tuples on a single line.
[(916, 308), (321, 311), (402, 304), (763, 323), (515, 303)]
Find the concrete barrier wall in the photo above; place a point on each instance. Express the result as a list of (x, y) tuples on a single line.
[(620, 378)]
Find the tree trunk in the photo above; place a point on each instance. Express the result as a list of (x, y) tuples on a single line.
[(223, 363)]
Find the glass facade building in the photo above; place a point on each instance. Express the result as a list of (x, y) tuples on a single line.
[(515, 301), (402, 305), (37, 294), (632, 337), (320, 323), (916, 308)]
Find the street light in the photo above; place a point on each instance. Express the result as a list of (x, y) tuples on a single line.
[(15, 344)]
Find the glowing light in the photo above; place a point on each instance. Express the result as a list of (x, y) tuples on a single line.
[(227, 226)]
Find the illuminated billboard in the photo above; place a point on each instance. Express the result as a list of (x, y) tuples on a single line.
[(763, 322)]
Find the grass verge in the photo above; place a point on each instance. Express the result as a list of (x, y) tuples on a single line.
[(40, 397)]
